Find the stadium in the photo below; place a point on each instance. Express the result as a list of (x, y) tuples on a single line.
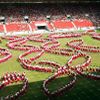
[(49, 50)]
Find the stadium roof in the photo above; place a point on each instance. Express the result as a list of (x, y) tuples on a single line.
[(47, 1)]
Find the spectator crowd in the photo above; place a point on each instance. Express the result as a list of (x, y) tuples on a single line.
[(16, 12)]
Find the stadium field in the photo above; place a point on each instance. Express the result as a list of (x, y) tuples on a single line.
[(84, 89)]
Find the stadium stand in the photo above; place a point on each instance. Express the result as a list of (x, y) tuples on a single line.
[(81, 16)]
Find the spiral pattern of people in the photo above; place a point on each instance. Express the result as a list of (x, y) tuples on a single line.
[(58, 66)]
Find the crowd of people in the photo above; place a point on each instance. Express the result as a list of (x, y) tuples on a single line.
[(78, 44), (60, 90), (17, 12), (96, 36), (10, 78), (5, 55), (51, 45)]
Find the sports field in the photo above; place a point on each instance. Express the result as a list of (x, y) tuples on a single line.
[(84, 89)]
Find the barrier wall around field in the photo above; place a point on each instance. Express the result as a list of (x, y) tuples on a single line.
[(52, 26)]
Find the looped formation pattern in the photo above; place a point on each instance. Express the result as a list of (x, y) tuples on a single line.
[(50, 45), (10, 78)]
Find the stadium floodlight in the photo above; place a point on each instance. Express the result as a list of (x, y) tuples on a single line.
[(48, 17), (3, 19), (69, 17), (87, 15), (26, 18)]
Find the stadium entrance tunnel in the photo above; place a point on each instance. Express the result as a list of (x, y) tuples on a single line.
[(45, 28), (42, 27)]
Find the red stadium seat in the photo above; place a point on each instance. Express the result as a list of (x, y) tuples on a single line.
[(1, 28)]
